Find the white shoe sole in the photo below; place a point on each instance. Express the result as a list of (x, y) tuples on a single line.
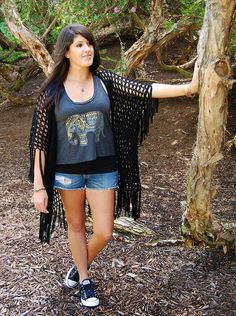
[(91, 302)]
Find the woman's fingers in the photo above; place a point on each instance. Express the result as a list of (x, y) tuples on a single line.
[(195, 78), (41, 201), (46, 204), (41, 208)]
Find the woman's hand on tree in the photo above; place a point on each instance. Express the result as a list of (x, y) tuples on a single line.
[(194, 85)]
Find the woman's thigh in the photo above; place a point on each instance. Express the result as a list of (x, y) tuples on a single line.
[(74, 204), (102, 204)]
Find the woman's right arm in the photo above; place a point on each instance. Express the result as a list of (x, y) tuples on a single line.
[(40, 197)]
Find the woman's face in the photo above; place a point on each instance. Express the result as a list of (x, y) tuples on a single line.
[(81, 52)]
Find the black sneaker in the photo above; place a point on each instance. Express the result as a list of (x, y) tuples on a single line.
[(88, 295), (72, 277)]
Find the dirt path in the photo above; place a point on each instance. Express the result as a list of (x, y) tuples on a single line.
[(133, 278)]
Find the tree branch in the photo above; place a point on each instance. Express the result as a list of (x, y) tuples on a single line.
[(59, 9), (18, 101), (179, 69), (30, 40), (127, 225)]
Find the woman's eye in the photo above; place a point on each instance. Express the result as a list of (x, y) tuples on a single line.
[(85, 44)]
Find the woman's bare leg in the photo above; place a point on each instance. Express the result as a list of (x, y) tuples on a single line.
[(73, 201), (102, 206)]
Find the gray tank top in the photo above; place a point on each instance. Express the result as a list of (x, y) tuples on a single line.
[(83, 128)]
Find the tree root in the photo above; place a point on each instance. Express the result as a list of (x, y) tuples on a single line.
[(217, 233)]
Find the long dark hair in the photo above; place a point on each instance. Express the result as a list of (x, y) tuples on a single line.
[(66, 37)]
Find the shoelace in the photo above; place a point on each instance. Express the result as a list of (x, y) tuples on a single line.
[(89, 290)]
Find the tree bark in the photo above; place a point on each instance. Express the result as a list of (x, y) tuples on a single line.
[(152, 40), (9, 72), (179, 69), (199, 224), (4, 42), (30, 70), (127, 225), (106, 35), (142, 47), (18, 101), (27, 38)]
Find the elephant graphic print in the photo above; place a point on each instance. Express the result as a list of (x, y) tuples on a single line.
[(84, 130), (79, 125)]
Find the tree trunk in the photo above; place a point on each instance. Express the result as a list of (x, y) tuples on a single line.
[(27, 38), (199, 224)]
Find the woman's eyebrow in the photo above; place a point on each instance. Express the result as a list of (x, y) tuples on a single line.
[(80, 41)]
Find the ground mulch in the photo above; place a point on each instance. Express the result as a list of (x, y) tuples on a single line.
[(134, 276)]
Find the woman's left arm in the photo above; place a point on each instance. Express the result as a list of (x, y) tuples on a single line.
[(160, 90)]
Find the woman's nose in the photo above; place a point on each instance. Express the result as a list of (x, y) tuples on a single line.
[(87, 47)]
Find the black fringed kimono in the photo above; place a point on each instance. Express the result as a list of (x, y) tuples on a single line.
[(132, 109)]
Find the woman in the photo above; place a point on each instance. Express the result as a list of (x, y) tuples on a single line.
[(84, 145)]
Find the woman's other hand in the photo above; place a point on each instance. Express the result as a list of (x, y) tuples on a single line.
[(40, 200)]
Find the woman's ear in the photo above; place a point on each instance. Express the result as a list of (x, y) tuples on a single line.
[(67, 55)]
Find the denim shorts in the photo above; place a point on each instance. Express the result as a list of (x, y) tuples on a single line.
[(99, 181)]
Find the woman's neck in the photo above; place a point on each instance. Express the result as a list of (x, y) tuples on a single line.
[(78, 74)]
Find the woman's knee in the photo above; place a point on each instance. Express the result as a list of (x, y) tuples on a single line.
[(104, 235), (76, 225), (108, 236)]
